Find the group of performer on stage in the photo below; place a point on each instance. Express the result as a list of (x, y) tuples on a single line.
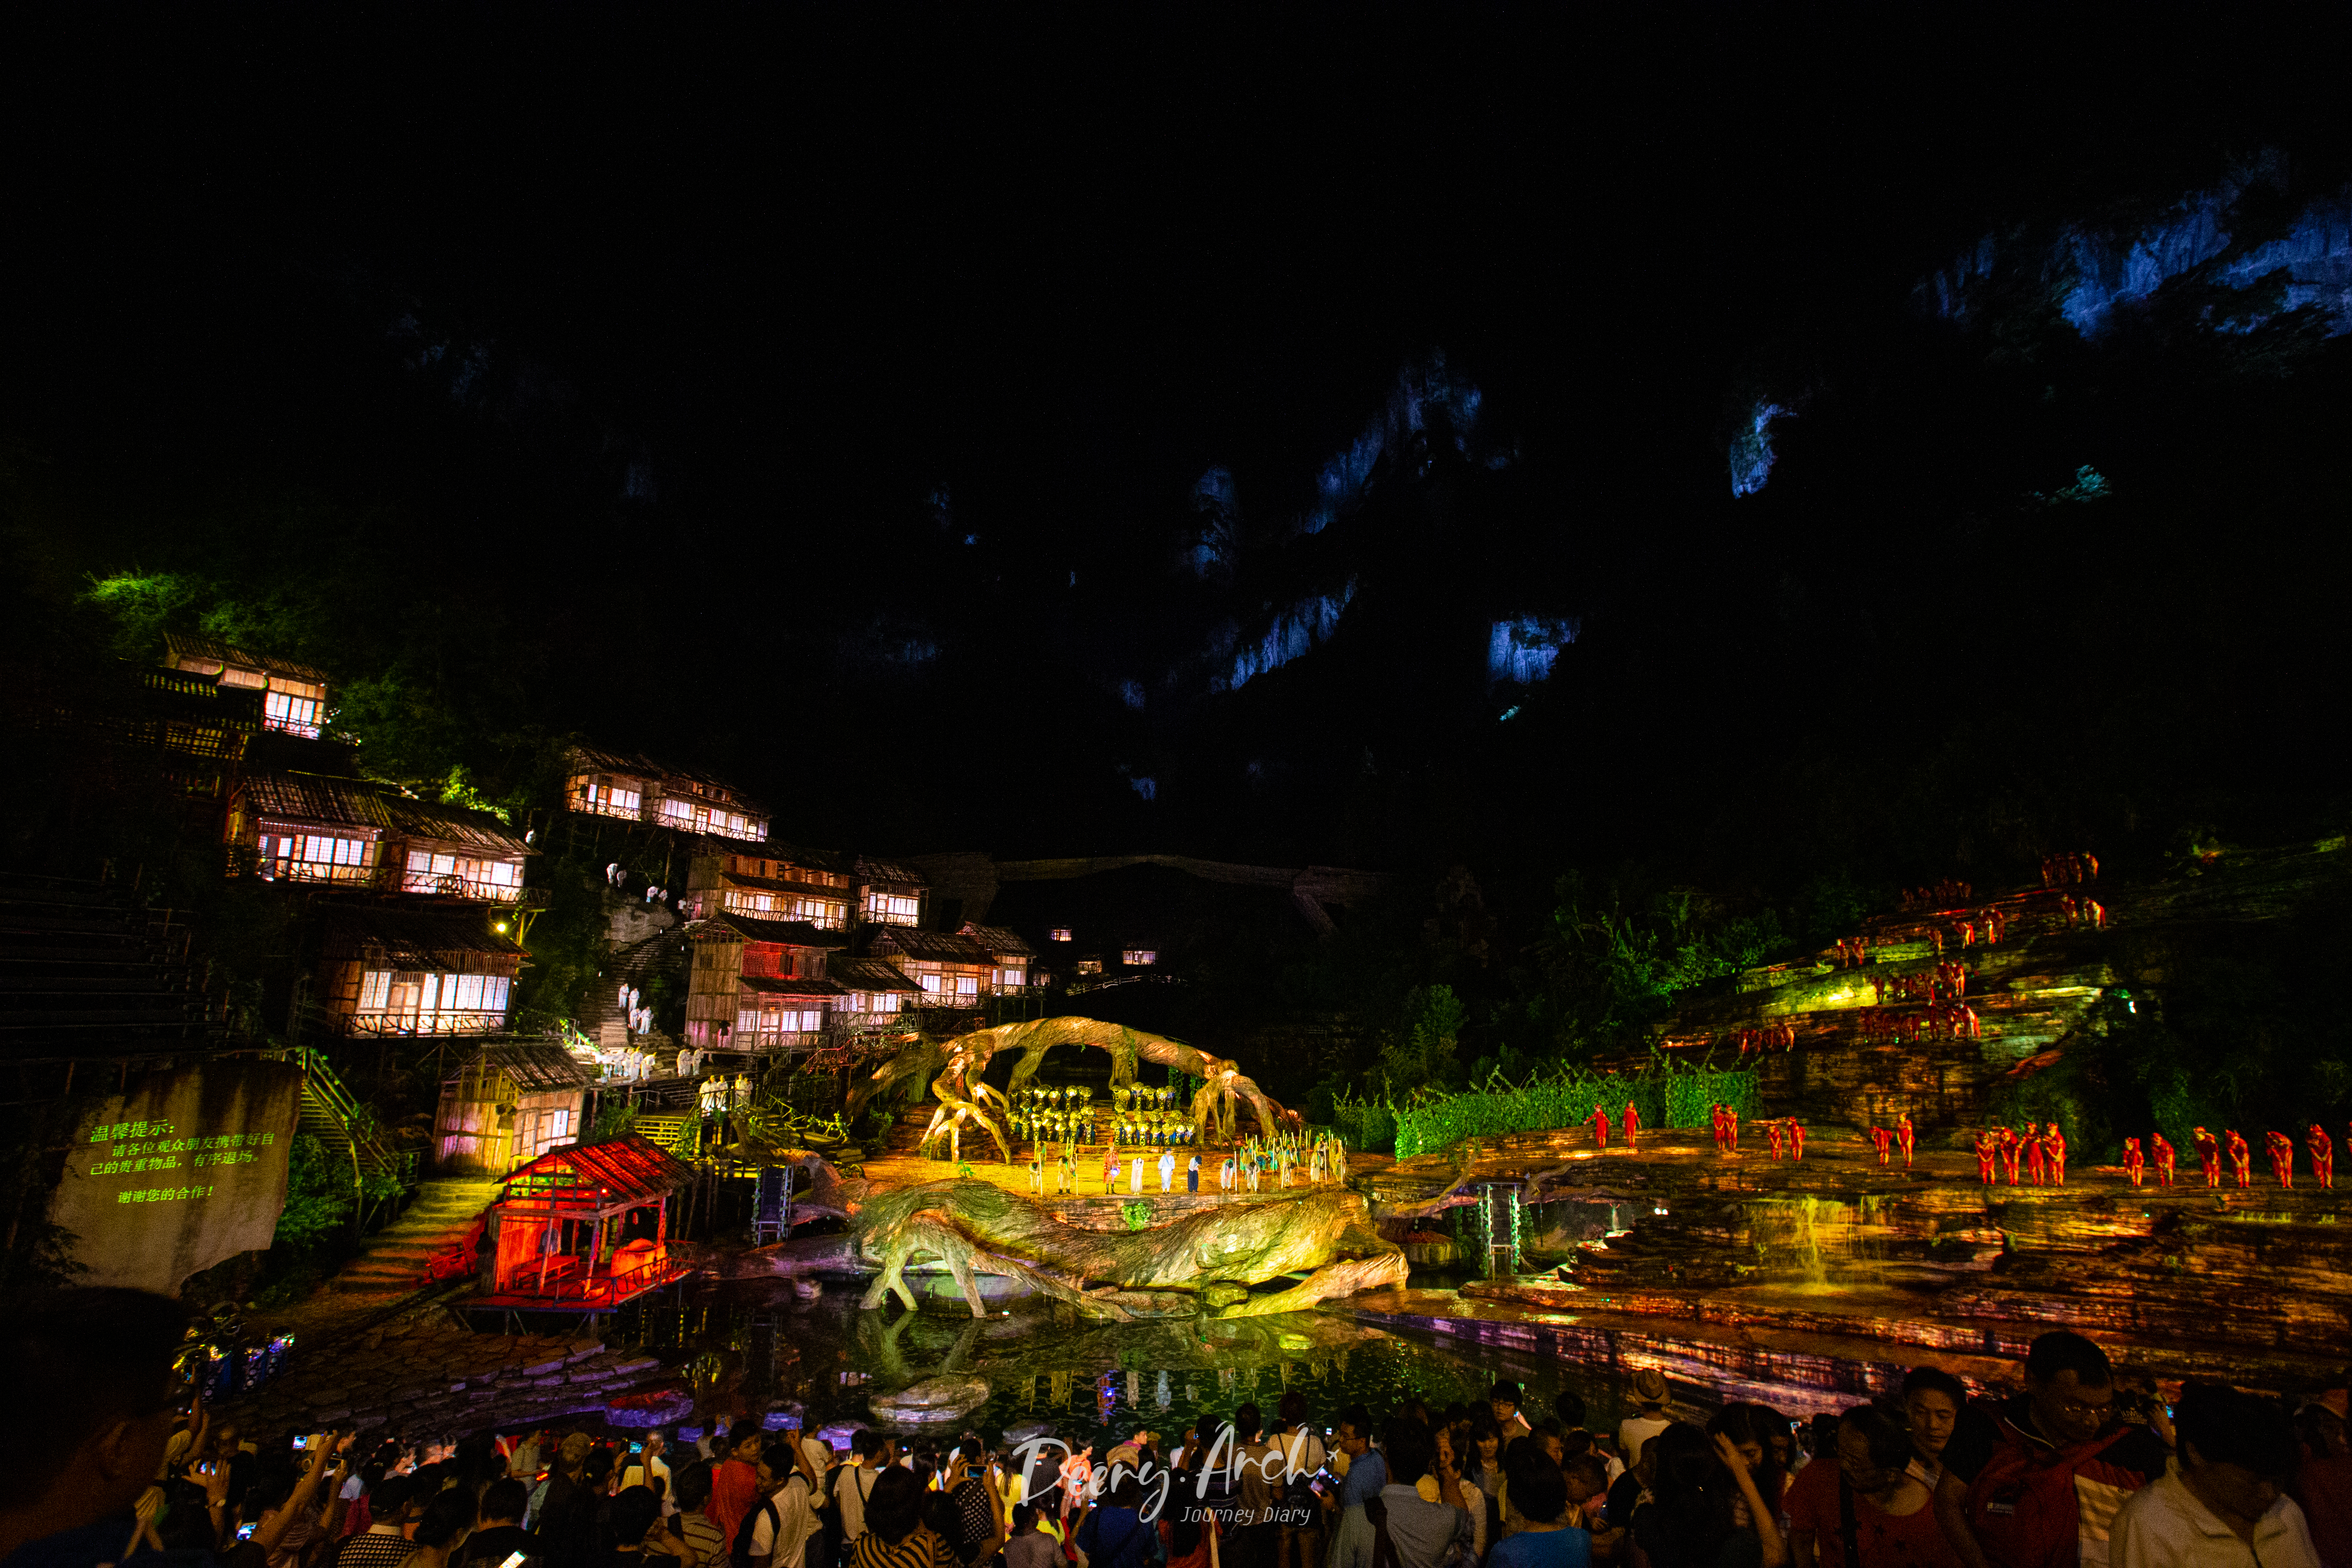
[(1256, 1163), (1785, 1133), (2209, 1151), (2043, 1154)]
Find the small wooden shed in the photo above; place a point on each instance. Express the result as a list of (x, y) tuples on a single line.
[(510, 1105)]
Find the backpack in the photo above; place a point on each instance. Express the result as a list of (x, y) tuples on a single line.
[(739, 1550)]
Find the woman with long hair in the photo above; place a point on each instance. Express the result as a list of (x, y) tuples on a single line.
[(1752, 1429), (1701, 1488)]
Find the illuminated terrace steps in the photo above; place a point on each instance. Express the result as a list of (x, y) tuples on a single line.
[(394, 1258)]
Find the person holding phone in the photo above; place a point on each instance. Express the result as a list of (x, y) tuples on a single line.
[(498, 1526)]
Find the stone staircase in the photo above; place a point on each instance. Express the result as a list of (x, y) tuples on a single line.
[(393, 1260)]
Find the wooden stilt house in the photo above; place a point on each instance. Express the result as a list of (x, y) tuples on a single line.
[(411, 971), (638, 789), (353, 833), (889, 893), (294, 694), (1015, 961), (769, 882), (760, 984), (510, 1105), (953, 971)]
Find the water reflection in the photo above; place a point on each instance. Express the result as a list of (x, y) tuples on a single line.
[(1083, 1379)]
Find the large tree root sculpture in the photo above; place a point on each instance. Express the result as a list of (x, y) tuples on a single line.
[(977, 1227), (958, 1066)]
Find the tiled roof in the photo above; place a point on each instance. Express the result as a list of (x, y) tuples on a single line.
[(936, 946), (618, 1173), (872, 869), (183, 645), (868, 975), (998, 941), (792, 934), (360, 803), (418, 937), (776, 985), (536, 1066)]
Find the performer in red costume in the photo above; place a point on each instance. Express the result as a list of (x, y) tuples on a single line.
[(1632, 1125), (2323, 1156), (1731, 1129), (2164, 1159), (2135, 1163), (2208, 1155), (1988, 1151), (1772, 1131), (1600, 1126), (2009, 1151), (2242, 1157), (2055, 1145), (1880, 1137), (1905, 1136), (2282, 1148), (1796, 1139), (1715, 1115), (2034, 1153)]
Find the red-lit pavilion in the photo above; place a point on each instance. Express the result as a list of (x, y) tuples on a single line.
[(582, 1229)]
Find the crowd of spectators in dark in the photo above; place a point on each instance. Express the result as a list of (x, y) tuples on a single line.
[(2076, 1469)]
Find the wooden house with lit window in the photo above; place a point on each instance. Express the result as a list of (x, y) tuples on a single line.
[(293, 695), (953, 971), (637, 789), (510, 1105), (890, 892), (875, 992), (316, 827), (388, 970), (1014, 959), (769, 882), (758, 986)]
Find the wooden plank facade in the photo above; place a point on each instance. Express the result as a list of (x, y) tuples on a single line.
[(635, 788), (389, 971), (769, 882), (759, 984), (315, 827), (507, 1107), (293, 695)]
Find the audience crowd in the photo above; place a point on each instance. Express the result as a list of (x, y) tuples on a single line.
[(2074, 1468)]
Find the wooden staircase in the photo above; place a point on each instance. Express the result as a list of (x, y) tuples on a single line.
[(331, 1114), (395, 1259)]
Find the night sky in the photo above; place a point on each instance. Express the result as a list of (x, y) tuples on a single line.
[(825, 402)]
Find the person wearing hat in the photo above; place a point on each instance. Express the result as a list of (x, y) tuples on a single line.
[(1650, 1394)]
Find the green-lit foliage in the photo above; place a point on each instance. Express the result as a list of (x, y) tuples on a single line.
[(318, 1195), (616, 1118), (1665, 1094), (1614, 957)]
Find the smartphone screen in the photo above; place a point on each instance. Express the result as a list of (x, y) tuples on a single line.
[(245, 1532), (514, 1560), (636, 1447)]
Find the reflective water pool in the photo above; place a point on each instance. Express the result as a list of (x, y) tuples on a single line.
[(1084, 1380)]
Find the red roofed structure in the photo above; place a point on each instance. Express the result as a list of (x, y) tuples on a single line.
[(583, 1230)]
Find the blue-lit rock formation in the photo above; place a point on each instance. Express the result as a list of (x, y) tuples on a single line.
[(1294, 631), (1427, 402), (1523, 648), (1751, 448), (2237, 234)]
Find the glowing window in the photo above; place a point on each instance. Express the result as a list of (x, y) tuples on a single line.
[(892, 908), (559, 1125), (1139, 957), (1090, 966), (375, 985), (1059, 933), (967, 984), (295, 715)]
